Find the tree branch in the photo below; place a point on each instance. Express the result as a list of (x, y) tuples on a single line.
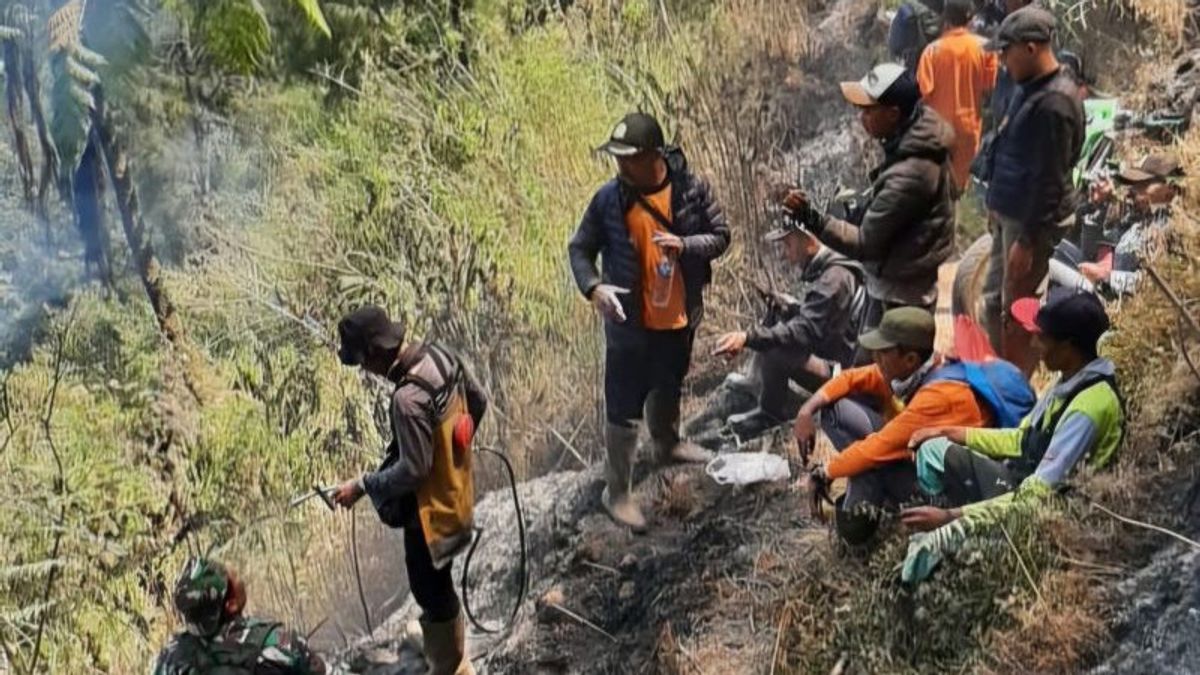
[(60, 488)]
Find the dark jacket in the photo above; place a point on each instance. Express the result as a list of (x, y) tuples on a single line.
[(824, 325), (1035, 152), (907, 230), (695, 217), (915, 25)]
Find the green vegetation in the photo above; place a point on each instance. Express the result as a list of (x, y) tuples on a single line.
[(289, 165)]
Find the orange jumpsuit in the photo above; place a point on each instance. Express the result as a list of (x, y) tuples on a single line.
[(955, 74)]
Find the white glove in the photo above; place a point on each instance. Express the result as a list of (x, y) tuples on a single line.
[(605, 300)]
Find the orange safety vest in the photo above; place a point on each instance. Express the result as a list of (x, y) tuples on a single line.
[(446, 499)]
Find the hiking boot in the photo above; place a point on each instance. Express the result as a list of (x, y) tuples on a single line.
[(662, 419), (625, 511), (753, 424), (744, 385), (446, 647), (621, 444)]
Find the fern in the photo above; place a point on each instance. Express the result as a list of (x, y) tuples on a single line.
[(237, 34), (28, 572), (312, 10)]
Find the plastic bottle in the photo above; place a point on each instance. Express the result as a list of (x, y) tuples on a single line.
[(664, 277)]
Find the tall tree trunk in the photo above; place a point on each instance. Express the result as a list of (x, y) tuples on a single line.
[(456, 20), (140, 247), (16, 117), (50, 162), (88, 189)]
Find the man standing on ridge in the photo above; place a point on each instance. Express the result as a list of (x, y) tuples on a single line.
[(658, 228), (210, 598), (956, 74), (907, 229), (426, 485), (1031, 194), (809, 342)]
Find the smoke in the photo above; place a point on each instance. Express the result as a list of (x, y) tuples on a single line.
[(40, 266)]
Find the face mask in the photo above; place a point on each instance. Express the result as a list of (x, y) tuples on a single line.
[(904, 389)]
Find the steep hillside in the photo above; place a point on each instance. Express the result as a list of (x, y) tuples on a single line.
[(748, 580)]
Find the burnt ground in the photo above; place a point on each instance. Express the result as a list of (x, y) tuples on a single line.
[(672, 588)]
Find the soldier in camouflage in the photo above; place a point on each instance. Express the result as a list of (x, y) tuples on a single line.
[(218, 640)]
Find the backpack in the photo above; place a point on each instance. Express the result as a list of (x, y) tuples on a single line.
[(1000, 384), (233, 652), (928, 16), (922, 25), (1036, 440), (860, 302)]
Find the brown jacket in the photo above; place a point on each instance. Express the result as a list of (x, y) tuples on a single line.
[(907, 231), (432, 389)]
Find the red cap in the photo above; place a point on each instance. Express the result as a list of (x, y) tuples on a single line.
[(1025, 311)]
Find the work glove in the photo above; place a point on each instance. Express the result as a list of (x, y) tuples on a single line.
[(799, 206), (926, 550), (606, 301)]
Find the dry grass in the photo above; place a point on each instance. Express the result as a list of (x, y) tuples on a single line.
[(1168, 16), (1058, 635), (677, 495)]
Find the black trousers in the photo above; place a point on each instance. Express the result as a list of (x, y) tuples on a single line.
[(970, 477), (638, 361), (433, 589), (776, 368), (850, 420)]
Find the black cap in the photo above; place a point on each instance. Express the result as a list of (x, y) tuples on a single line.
[(1078, 318), (1028, 24), (636, 132), (785, 224), (904, 94), (365, 328)]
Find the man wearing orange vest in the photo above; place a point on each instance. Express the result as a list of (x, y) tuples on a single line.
[(956, 74), (425, 484)]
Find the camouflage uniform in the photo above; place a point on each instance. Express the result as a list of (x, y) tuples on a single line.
[(216, 645)]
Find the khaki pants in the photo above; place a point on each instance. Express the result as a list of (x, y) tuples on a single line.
[(1007, 283)]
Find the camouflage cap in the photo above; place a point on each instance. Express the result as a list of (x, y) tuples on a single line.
[(200, 595)]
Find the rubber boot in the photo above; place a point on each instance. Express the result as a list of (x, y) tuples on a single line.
[(446, 647), (662, 420), (621, 443)]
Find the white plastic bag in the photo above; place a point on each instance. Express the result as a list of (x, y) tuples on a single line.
[(745, 468)]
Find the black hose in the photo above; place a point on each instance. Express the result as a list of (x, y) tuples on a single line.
[(524, 584), (362, 597)]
